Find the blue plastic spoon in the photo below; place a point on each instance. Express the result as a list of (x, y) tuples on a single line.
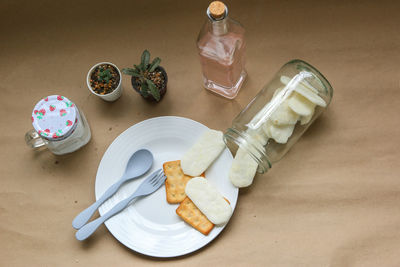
[(139, 163)]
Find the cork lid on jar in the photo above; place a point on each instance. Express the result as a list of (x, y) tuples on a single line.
[(217, 10)]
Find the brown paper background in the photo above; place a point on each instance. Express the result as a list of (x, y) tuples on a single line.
[(333, 201)]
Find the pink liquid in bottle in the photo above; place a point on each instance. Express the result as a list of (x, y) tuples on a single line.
[(222, 49)]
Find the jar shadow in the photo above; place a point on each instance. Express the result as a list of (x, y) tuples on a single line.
[(319, 127)]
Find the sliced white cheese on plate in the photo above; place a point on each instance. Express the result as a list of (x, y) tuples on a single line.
[(208, 200), (243, 169), (202, 154)]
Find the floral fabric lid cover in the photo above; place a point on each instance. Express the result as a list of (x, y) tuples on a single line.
[(54, 117)]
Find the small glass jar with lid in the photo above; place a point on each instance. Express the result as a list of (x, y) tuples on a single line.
[(59, 125), (278, 115)]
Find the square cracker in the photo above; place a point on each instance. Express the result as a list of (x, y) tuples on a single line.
[(193, 216), (176, 181), (188, 211)]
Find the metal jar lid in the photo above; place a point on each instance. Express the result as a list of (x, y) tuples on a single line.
[(54, 117)]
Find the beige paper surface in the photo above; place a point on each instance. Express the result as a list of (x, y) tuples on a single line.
[(334, 200)]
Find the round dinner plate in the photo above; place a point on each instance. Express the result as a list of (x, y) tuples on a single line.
[(150, 225)]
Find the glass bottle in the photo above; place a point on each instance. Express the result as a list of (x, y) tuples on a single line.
[(221, 46), (59, 125), (279, 114)]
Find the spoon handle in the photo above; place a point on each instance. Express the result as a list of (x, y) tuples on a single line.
[(88, 229), (86, 214)]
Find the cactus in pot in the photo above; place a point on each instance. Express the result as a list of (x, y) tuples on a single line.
[(148, 78)]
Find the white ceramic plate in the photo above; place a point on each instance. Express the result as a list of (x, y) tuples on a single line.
[(150, 225)]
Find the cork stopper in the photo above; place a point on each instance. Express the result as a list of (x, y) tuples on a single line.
[(217, 10)]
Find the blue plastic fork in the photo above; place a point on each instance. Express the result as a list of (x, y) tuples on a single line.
[(139, 163), (148, 186)]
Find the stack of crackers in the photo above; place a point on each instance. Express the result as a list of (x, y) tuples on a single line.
[(175, 192)]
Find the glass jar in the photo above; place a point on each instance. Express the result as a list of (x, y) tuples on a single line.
[(279, 114), (59, 125)]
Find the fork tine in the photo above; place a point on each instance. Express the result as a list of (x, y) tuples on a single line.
[(160, 172), (161, 179), (154, 177), (158, 177)]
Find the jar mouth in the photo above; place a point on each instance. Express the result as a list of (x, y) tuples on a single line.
[(235, 139)]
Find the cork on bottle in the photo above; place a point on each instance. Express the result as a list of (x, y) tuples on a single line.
[(217, 9)]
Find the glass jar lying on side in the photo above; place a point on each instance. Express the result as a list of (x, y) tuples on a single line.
[(277, 117), (59, 125)]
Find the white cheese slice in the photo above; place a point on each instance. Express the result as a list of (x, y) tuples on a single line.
[(276, 92), (258, 135), (208, 200), (200, 156), (316, 99), (284, 115), (306, 119), (307, 91), (243, 169), (280, 133), (285, 80), (301, 105)]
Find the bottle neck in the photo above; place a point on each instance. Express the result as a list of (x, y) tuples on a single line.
[(219, 26)]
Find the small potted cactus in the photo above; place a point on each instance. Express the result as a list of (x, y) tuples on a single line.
[(148, 79), (104, 80)]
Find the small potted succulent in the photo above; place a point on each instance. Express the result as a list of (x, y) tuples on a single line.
[(104, 80), (148, 79)]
